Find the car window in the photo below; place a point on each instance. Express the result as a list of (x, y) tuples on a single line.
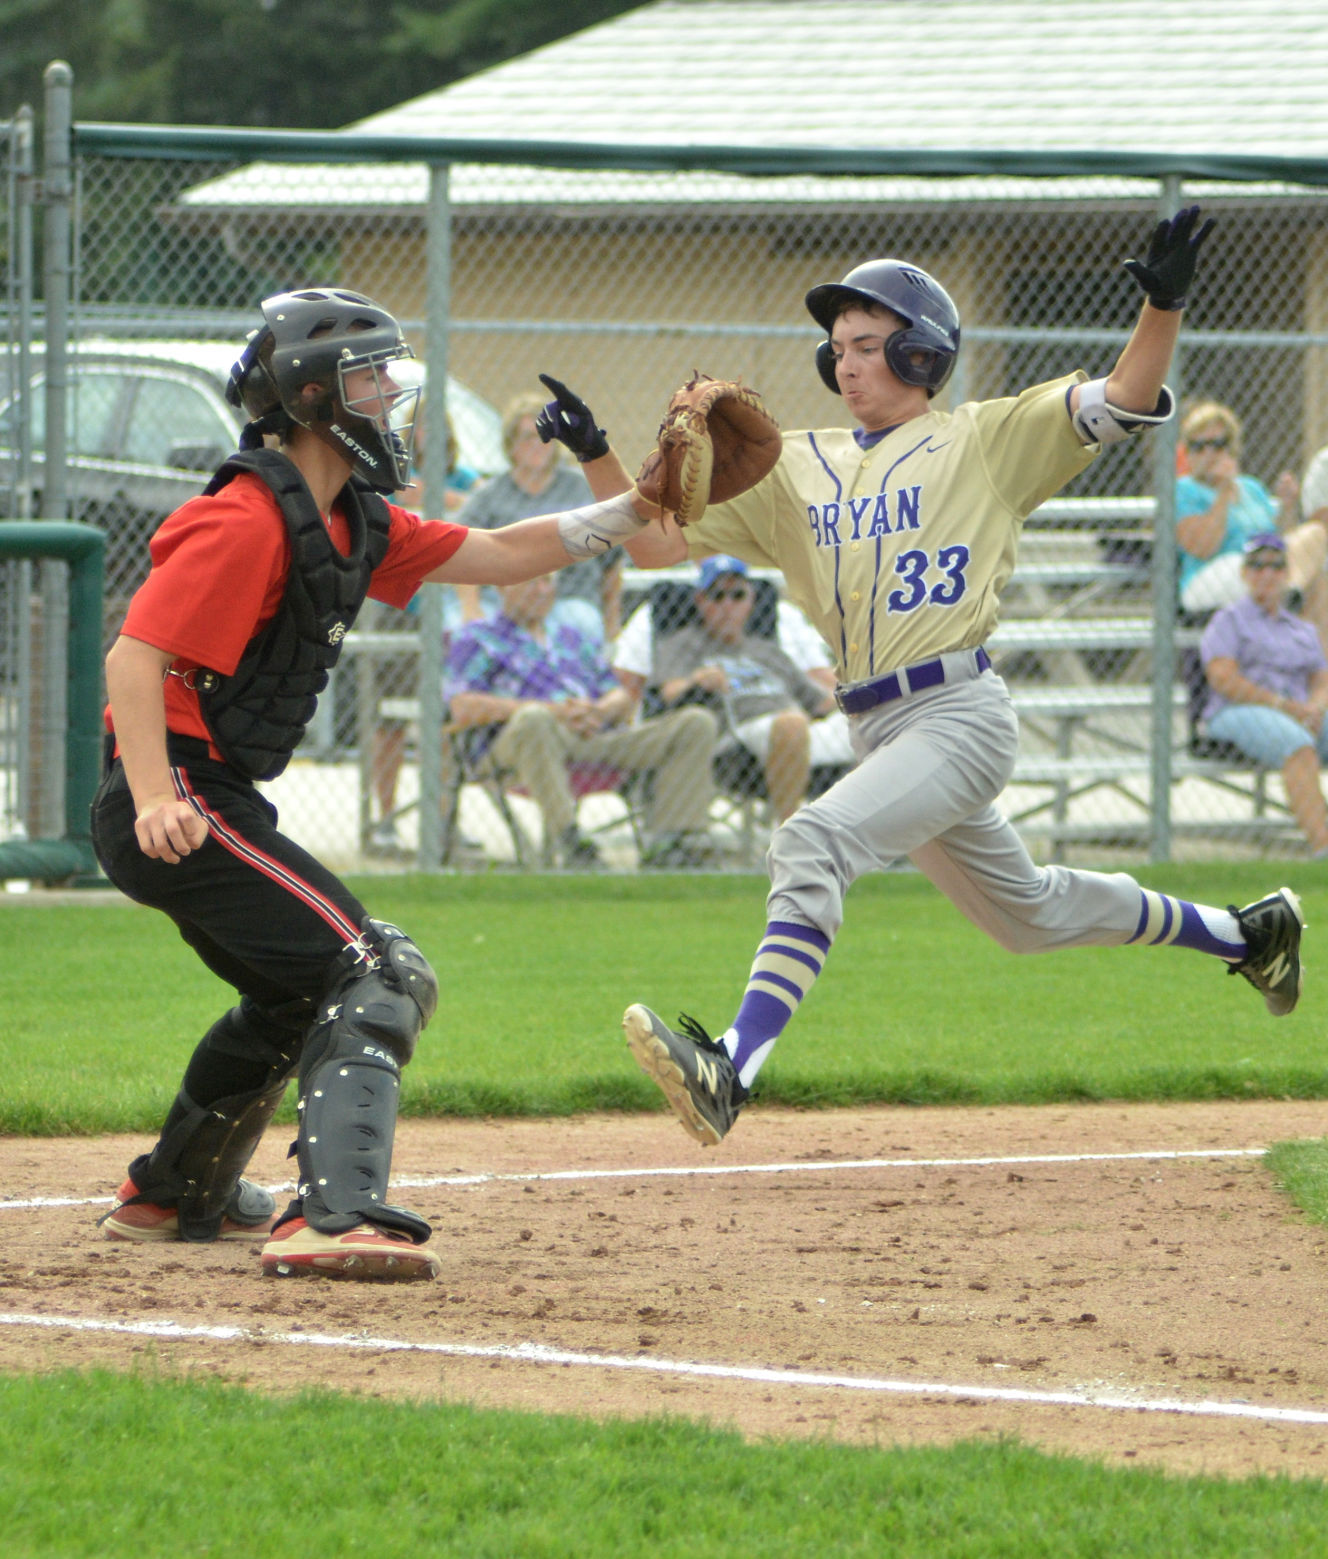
[(91, 416), (175, 424)]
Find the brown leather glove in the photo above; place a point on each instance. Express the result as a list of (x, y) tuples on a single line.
[(716, 440)]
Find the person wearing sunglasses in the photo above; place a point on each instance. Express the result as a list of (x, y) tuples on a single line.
[(1268, 684), (768, 705), (1219, 507)]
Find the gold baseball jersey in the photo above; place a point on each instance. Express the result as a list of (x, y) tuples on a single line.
[(899, 552)]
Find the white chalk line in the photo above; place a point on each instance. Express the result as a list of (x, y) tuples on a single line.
[(535, 1353), (538, 1353), (815, 1166)]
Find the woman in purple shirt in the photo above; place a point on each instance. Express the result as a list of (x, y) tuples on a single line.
[(1269, 684)]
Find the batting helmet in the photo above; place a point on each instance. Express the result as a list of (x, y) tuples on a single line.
[(931, 321), (319, 335)]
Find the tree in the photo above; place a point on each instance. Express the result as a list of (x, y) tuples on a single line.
[(293, 64)]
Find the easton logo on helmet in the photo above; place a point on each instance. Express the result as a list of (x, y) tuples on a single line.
[(317, 336)]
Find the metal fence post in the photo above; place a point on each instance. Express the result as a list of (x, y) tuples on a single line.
[(57, 200), (438, 275), (21, 293), (21, 303), (1164, 594), (57, 265)]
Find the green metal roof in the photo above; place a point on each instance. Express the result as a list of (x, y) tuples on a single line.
[(1202, 76), (1121, 89)]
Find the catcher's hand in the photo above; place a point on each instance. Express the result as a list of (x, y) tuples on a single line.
[(568, 419), (1167, 270), (716, 441)]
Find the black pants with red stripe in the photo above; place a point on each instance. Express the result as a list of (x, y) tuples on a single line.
[(261, 913)]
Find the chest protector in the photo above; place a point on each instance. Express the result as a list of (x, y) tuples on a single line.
[(257, 715)]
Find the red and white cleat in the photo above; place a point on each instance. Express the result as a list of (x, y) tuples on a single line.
[(133, 1220), (296, 1249)]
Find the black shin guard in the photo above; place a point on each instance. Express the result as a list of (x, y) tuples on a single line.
[(197, 1163), (241, 1067), (350, 1078)]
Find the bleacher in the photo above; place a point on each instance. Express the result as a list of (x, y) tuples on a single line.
[(1075, 645)]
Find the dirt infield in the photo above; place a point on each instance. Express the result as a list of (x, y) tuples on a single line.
[(1178, 1302)]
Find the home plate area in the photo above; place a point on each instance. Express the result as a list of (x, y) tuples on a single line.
[(1112, 1281)]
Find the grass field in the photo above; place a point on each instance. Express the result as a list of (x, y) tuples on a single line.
[(186, 1467), (104, 1004)]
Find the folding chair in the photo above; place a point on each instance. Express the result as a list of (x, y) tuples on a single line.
[(468, 765), (739, 776)]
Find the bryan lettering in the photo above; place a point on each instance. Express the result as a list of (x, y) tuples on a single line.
[(864, 519)]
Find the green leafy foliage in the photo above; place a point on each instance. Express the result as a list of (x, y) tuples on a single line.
[(271, 63)]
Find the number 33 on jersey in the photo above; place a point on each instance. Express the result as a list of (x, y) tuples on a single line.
[(899, 550)]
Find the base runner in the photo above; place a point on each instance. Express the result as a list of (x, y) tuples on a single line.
[(896, 539)]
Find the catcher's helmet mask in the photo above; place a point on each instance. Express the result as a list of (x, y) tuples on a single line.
[(321, 336), (923, 352)]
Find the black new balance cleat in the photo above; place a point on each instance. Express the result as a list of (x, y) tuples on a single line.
[(1272, 930), (694, 1073)]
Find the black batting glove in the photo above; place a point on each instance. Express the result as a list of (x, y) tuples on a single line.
[(568, 419), (1166, 272)]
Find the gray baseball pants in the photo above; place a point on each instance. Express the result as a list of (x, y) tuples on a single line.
[(931, 765)]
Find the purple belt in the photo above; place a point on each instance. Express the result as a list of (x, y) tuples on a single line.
[(862, 696)]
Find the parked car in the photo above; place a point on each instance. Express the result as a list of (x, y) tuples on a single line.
[(148, 423)]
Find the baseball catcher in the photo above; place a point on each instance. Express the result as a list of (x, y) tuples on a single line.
[(212, 682)]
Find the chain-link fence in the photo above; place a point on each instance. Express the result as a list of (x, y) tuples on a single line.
[(621, 281)]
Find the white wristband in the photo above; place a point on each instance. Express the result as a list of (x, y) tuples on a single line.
[(585, 533)]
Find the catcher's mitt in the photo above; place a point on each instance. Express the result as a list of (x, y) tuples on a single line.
[(716, 440)]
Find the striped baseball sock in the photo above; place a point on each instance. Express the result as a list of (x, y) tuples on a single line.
[(1168, 922), (787, 962)]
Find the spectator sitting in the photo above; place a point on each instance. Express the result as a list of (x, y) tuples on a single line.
[(634, 657), (545, 698), (1269, 681), (794, 634), (1218, 509), (539, 482), (771, 708)]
